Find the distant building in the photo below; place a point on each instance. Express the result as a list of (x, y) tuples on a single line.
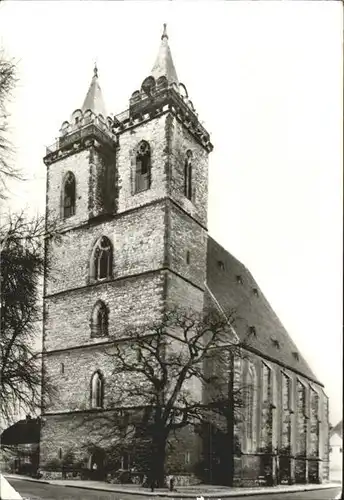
[(20, 446), (336, 452), (131, 193)]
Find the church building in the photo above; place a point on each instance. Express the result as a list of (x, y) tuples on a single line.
[(131, 194)]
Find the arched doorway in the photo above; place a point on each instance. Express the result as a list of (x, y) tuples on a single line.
[(96, 465)]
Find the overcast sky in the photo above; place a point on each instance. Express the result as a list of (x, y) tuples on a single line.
[(266, 79)]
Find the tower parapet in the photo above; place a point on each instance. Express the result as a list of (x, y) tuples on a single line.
[(161, 91), (84, 130), (88, 126)]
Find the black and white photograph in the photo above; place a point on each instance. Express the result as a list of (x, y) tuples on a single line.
[(171, 249)]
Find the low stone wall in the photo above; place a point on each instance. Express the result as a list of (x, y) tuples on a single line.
[(183, 480), (48, 474), (179, 480)]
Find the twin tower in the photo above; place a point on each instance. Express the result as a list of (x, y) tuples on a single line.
[(130, 196)]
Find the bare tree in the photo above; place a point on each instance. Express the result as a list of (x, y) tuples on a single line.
[(22, 269), (7, 84), (169, 375)]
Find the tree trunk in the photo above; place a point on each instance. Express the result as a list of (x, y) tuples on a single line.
[(157, 471)]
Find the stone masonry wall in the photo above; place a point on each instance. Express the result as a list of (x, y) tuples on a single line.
[(181, 141), (154, 133), (103, 190), (73, 383), (74, 431), (169, 141), (78, 430), (67, 318), (138, 243), (78, 164), (183, 294), (279, 420), (186, 246), (184, 451)]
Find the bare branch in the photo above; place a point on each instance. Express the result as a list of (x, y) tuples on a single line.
[(158, 366), (22, 268)]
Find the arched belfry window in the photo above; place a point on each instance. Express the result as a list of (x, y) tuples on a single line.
[(99, 320), (188, 175), (68, 195), (101, 263), (143, 167), (97, 390)]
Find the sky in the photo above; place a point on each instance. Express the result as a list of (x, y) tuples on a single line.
[(266, 79)]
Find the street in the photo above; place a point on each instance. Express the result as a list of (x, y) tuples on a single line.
[(41, 491)]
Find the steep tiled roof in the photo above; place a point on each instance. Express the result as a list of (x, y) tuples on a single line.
[(23, 431), (94, 97), (163, 65), (234, 288)]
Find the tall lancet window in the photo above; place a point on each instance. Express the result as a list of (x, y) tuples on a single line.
[(99, 320), (286, 414), (314, 422), (266, 423), (188, 175), (68, 195), (251, 407), (101, 263), (143, 167), (97, 390), (301, 443)]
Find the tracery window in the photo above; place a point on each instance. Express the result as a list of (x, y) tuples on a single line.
[(143, 167), (99, 320), (301, 442), (101, 262), (69, 195), (286, 392), (251, 407), (287, 409), (314, 422), (97, 390), (188, 175), (267, 402)]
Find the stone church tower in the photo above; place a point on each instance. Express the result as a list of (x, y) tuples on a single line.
[(130, 194)]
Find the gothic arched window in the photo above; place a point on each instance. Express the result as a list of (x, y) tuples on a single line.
[(314, 422), (301, 445), (99, 320), (143, 167), (97, 390), (101, 263), (188, 175), (267, 407), (69, 195), (286, 413), (251, 406)]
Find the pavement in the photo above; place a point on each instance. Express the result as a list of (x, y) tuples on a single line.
[(31, 490), (199, 491), (7, 492)]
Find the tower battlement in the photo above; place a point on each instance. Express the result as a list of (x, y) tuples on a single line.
[(84, 130)]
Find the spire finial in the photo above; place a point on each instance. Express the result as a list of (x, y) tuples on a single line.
[(94, 98), (163, 65), (164, 34)]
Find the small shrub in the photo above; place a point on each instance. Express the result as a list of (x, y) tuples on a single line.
[(53, 464)]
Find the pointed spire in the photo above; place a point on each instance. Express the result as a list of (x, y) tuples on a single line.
[(164, 64), (94, 97), (164, 35)]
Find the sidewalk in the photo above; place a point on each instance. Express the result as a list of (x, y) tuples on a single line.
[(205, 491)]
